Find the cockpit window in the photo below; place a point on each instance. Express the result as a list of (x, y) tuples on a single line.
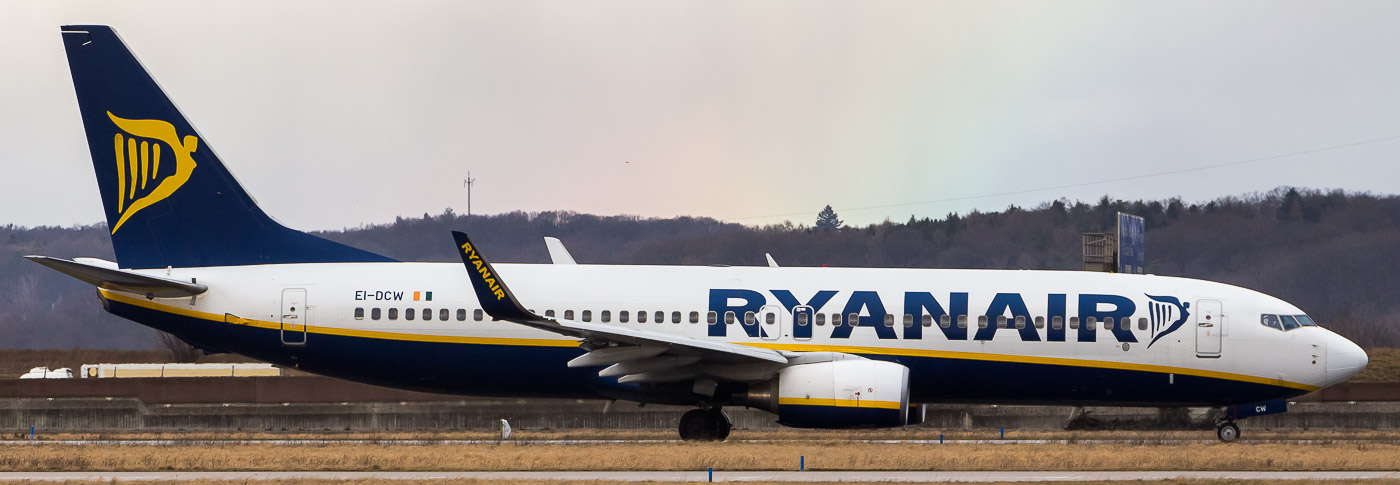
[(1290, 323), (1286, 322), (1272, 321)]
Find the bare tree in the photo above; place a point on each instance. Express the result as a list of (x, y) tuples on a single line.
[(179, 350)]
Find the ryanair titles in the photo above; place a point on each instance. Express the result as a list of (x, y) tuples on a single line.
[(483, 270), (951, 317)]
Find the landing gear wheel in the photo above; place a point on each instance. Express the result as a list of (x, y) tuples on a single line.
[(1227, 432), (705, 425)]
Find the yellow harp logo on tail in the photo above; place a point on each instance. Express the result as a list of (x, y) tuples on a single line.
[(139, 155)]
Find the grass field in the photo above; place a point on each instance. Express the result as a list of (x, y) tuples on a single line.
[(595, 482), (780, 434), (820, 455)]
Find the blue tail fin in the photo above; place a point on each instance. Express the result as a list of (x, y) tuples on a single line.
[(169, 200)]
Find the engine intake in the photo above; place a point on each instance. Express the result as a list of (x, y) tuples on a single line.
[(837, 394)]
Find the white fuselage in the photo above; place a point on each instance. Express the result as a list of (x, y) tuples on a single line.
[(355, 300)]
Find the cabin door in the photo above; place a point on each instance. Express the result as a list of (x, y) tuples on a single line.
[(802, 317), (294, 320), (1210, 326), (770, 321)]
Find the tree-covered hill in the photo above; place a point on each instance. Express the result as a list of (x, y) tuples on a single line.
[(1333, 254)]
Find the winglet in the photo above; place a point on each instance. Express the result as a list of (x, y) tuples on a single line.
[(557, 252), (496, 299), (771, 262)]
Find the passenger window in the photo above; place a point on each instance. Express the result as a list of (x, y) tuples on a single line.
[(1001, 321), (770, 318), (478, 315), (853, 319), (889, 319), (443, 314), (374, 314), (605, 316), (461, 314), (821, 319), (568, 314), (1020, 321), (1142, 323), (408, 313), (1290, 323), (1057, 322), (728, 318), (908, 320), (1039, 322), (588, 315), (1074, 323), (802, 319), (641, 316), (1091, 323), (1108, 323), (660, 317), (427, 313), (393, 313), (360, 313), (621, 317), (981, 321), (549, 313), (962, 321), (835, 319), (749, 318), (928, 320), (945, 321)]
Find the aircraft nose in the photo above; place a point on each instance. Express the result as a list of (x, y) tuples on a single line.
[(1344, 359)]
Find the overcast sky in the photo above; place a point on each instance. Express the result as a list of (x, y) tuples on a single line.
[(338, 113)]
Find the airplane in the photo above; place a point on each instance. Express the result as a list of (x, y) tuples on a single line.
[(818, 347)]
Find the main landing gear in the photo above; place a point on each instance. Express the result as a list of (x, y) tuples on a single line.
[(705, 425), (1227, 431)]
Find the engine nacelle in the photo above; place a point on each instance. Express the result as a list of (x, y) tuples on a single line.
[(837, 394)]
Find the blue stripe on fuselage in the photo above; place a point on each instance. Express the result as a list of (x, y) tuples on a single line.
[(532, 371)]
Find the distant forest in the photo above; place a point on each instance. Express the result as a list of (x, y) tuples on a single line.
[(1334, 254)]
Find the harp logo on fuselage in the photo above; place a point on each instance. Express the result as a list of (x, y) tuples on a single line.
[(145, 175)]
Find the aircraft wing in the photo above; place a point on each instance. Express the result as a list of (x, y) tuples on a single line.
[(636, 355), (112, 278)]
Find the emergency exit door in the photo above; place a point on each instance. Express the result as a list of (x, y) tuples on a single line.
[(1210, 327), (294, 316)]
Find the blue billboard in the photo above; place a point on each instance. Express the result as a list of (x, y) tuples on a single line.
[(1131, 242)]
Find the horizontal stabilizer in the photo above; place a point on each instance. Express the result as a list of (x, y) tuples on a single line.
[(109, 278)]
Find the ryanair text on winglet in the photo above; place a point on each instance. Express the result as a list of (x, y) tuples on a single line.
[(481, 270)]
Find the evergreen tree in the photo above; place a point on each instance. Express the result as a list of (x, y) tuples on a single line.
[(826, 219)]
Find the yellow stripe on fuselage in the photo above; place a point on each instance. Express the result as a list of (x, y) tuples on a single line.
[(345, 332), (942, 354), (1028, 359), (840, 403)]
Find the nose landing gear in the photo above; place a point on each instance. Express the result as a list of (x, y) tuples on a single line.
[(705, 425)]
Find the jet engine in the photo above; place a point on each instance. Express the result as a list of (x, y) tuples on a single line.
[(837, 394)]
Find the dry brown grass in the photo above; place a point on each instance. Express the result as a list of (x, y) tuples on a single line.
[(595, 482), (825, 455), (779, 434), (1383, 367)]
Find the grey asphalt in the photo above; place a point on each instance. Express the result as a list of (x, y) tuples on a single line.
[(719, 476)]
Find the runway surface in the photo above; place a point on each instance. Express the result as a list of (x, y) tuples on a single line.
[(719, 476)]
